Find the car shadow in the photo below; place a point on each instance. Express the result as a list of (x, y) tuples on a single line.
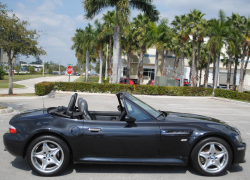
[(22, 164)]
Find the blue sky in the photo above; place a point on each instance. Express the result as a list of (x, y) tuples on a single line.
[(58, 19)]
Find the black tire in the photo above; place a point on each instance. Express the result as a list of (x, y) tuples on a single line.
[(48, 155), (206, 159)]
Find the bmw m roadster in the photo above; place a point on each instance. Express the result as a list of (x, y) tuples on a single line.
[(134, 134)]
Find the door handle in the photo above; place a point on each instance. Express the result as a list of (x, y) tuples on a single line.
[(94, 129)]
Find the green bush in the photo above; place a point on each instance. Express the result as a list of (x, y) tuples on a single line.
[(44, 88), (232, 94), (2, 73)]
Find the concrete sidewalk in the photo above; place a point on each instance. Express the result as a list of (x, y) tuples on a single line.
[(30, 83)]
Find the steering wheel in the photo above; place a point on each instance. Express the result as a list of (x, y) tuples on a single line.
[(72, 102)]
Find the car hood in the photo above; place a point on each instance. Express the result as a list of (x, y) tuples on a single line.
[(185, 117)]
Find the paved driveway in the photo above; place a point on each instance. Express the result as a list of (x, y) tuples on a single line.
[(235, 114), (29, 83)]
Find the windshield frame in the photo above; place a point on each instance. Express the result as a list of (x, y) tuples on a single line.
[(147, 108)]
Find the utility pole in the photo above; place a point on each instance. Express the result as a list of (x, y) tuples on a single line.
[(43, 64)]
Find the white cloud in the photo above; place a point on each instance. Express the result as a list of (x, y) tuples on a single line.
[(54, 41), (80, 19), (21, 5)]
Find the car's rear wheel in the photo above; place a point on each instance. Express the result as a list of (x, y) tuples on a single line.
[(48, 155), (211, 156)]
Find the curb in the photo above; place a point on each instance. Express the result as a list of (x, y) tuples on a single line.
[(7, 110), (50, 95), (230, 100)]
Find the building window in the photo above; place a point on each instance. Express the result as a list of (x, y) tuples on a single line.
[(149, 73), (124, 71)]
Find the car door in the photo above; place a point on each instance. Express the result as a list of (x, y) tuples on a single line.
[(122, 139)]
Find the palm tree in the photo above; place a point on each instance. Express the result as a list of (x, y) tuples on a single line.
[(122, 7), (237, 23), (165, 40), (220, 29), (180, 28), (245, 44), (145, 35), (82, 44), (108, 31), (129, 45), (195, 19), (177, 51)]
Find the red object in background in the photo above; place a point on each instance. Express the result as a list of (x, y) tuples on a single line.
[(124, 81), (69, 69), (185, 81), (151, 82)]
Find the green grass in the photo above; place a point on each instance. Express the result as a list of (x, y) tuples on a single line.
[(92, 79), (2, 107), (5, 83), (14, 95)]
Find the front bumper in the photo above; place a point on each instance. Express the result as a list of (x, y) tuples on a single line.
[(239, 154), (15, 143)]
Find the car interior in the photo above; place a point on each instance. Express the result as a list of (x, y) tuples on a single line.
[(81, 111)]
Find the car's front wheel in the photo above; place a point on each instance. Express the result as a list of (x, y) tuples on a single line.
[(211, 156), (48, 155)]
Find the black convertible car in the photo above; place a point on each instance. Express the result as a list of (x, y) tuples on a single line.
[(135, 134)]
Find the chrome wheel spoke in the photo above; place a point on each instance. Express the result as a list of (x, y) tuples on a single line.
[(213, 157), (47, 159)]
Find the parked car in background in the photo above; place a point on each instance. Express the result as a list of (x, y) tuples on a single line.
[(124, 81), (222, 87), (54, 73), (185, 81), (208, 86), (151, 82), (135, 81)]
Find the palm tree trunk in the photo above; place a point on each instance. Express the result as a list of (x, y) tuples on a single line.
[(182, 63), (240, 89), (100, 73), (214, 65), (156, 63), (128, 66), (198, 62), (116, 52), (207, 69), (119, 65), (106, 67), (162, 63), (217, 71), (229, 72), (200, 76), (244, 70), (110, 58), (140, 68), (10, 73), (175, 68), (235, 72), (87, 67), (193, 74), (165, 63)]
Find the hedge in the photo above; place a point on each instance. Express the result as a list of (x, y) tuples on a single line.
[(44, 88), (114, 88), (232, 94)]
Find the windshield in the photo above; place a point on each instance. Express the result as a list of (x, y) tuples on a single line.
[(145, 106)]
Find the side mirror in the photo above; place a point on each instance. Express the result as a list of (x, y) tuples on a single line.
[(129, 119), (119, 108)]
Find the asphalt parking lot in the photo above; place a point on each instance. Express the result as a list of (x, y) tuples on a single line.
[(235, 114)]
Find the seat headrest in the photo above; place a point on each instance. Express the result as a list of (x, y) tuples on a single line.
[(82, 105)]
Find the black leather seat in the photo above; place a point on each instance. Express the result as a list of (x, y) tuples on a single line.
[(83, 107)]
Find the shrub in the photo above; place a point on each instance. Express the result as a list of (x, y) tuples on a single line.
[(44, 88), (232, 94), (2, 73)]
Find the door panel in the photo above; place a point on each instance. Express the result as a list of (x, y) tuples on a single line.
[(120, 139)]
